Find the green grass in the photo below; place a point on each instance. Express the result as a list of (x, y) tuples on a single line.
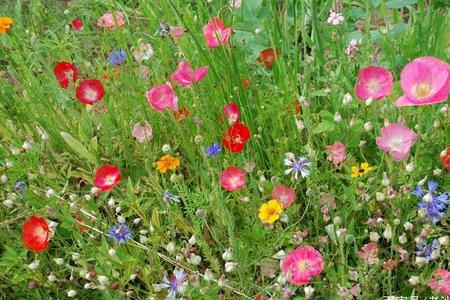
[(30, 98)]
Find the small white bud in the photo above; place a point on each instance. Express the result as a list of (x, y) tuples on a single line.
[(402, 239), (409, 167), (380, 196), (437, 172), (8, 203), (34, 265), (369, 101), (121, 219), (8, 164), (414, 280), (443, 241), (209, 275), (71, 293), (309, 291), (87, 197), (111, 201), (58, 261), (103, 280), (279, 255), (374, 236), (136, 221), (408, 226), (230, 266), (421, 261), (51, 277), (49, 193), (192, 240), (258, 30), (166, 148), (4, 178), (27, 146), (194, 259), (111, 252), (388, 232), (347, 99), (337, 117), (170, 247), (227, 255), (367, 126), (118, 209), (76, 256)]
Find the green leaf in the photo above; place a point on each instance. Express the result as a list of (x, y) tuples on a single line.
[(78, 147), (400, 3), (324, 126)]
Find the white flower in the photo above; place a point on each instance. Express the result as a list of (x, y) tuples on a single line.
[(309, 291), (111, 201), (227, 255), (230, 266), (58, 261), (170, 247), (49, 193), (443, 241), (279, 255), (166, 148), (388, 232), (194, 259), (103, 280), (347, 99), (111, 252), (335, 18), (209, 275), (414, 280), (368, 126), (337, 117), (192, 240), (71, 293), (374, 236), (34, 265), (409, 167), (51, 277), (27, 145)]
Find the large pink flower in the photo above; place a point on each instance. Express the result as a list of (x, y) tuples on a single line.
[(369, 253), (337, 153), (232, 179), (373, 82), (396, 139), (216, 34), (162, 96), (185, 76), (286, 196), (424, 81), (440, 282), (111, 21), (302, 264)]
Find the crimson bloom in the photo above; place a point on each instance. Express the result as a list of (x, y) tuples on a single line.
[(235, 138), (90, 91), (107, 177), (267, 57), (35, 234), (65, 72), (77, 25)]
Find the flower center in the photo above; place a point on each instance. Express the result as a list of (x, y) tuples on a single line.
[(91, 94), (109, 180), (422, 90), (303, 265), (372, 86), (237, 139)]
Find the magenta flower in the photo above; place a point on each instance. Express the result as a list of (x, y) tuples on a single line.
[(373, 82), (286, 196), (231, 111), (337, 153), (162, 96), (424, 81), (142, 132), (185, 76), (302, 264), (369, 253), (216, 34), (440, 282), (396, 139), (232, 179)]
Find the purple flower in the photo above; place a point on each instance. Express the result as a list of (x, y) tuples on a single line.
[(177, 284), (120, 233), (117, 57), (213, 149), (432, 205), (429, 252), (297, 165)]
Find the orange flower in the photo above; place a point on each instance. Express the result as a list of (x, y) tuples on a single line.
[(267, 57), (5, 24), (167, 162), (181, 114), (245, 83)]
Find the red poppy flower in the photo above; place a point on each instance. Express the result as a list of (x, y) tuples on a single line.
[(77, 25), (267, 57), (235, 137), (65, 72), (90, 91), (107, 177), (181, 113), (445, 158), (35, 234)]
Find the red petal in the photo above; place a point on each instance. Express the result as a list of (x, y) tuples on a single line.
[(35, 234)]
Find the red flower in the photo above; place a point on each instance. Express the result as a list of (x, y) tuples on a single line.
[(90, 91), (235, 137), (107, 177), (445, 158), (267, 57), (35, 234), (77, 25), (65, 72)]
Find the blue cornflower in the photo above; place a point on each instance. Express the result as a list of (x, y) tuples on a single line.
[(177, 284), (429, 252), (432, 205), (213, 149), (120, 233), (297, 165), (117, 57), (169, 197), (20, 187)]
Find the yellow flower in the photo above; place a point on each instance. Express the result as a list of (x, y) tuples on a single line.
[(5, 24), (270, 212), (363, 169), (167, 162)]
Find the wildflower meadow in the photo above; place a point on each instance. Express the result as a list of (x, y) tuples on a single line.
[(224, 149)]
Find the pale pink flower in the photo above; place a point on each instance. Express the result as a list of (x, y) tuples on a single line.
[(143, 52), (142, 132), (373, 82), (286, 196), (335, 18), (369, 253), (111, 21), (176, 32), (231, 111), (440, 282), (396, 139), (337, 153), (216, 34), (232, 179), (424, 81), (185, 76), (302, 264), (162, 96), (235, 3)]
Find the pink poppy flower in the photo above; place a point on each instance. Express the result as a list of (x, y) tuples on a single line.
[(185, 76), (440, 282), (90, 91), (373, 82), (424, 81), (302, 264), (110, 21), (232, 113), (337, 153), (396, 139), (107, 177), (216, 34), (369, 253), (162, 96), (232, 179), (286, 196), (142, 132), (176, 32)]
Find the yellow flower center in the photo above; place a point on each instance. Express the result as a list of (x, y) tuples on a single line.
[(303, 265), (423, 90), (109, 180), (372, 86)]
